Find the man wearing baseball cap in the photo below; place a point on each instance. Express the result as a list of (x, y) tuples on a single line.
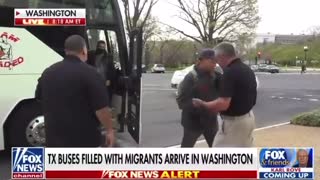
[(202, 83)]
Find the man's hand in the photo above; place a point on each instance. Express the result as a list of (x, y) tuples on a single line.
[(105, 117), (197, 102), (108, 83), (110, 138)]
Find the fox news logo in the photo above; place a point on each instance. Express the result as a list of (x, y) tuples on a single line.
[(27, 163)]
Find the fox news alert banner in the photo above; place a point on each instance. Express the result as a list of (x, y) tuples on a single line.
[(50, 17), (136, 163), (286, 163)]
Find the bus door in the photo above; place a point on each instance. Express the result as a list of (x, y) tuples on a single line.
[(106, 14), (134, 90)]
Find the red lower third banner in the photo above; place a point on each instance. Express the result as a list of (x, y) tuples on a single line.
[(115, 174), (50, 22)]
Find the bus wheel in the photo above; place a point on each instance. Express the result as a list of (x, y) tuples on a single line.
[(27, 126)]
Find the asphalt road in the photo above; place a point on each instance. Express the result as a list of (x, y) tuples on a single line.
[(280, 97)]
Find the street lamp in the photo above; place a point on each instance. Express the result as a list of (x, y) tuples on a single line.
[(305, 53)]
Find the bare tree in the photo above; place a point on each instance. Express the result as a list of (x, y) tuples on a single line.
[(314, 30), (244, 43), (151, 29), (137, 12), (217, 20)]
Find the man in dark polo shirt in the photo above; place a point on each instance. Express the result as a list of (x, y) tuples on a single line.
[(238, 94), (74, 98)]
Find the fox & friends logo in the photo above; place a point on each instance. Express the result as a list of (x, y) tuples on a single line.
[(27, 163), (276, 157), (286, 163)]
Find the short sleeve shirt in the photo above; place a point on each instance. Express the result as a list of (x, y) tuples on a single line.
[(238, 83), (71, 92)]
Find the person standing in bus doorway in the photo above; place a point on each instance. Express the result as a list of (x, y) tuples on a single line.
[(202, 82), (104, 64), (73, 99), (237, 97)]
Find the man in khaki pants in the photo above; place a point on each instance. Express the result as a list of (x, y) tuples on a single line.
[(237, 97)]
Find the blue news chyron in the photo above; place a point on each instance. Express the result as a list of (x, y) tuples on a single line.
[(27, 163), (285, 163)]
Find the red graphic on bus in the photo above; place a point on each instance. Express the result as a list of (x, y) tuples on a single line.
[(7, 60)]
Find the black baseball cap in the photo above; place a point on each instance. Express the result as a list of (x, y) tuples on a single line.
[(206, 54)]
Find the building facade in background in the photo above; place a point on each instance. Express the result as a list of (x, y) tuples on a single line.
[(264, 39), (292, 39), (280, 39)]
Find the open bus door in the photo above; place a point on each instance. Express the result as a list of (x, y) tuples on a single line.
[(134, 88)]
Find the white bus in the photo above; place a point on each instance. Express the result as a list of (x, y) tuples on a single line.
[(26, 51)]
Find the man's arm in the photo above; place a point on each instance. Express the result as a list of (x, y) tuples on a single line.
[(38, 90), (99, 101), (227, 85), (105, 117), (218, 105), (184, 97)]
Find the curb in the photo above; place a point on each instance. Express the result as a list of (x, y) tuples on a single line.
[(257, 129)]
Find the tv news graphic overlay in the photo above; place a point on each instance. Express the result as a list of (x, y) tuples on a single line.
[(50, 17), (27, 163), (151, 163), (286, 163)]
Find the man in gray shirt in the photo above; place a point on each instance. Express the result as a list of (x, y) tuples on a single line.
[(202, 82)]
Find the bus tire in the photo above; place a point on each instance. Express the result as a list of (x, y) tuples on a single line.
[(19, 122)]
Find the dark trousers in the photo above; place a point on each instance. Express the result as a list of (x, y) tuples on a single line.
[(190, 137)]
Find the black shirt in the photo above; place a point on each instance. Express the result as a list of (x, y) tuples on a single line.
[(239, 83), (70, 92)]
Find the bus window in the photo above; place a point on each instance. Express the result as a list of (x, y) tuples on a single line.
[(112, 44), (95, 35), (100, 12)]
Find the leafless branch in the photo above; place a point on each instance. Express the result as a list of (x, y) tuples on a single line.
[(182, 32), (217, 18), (141, 12)]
